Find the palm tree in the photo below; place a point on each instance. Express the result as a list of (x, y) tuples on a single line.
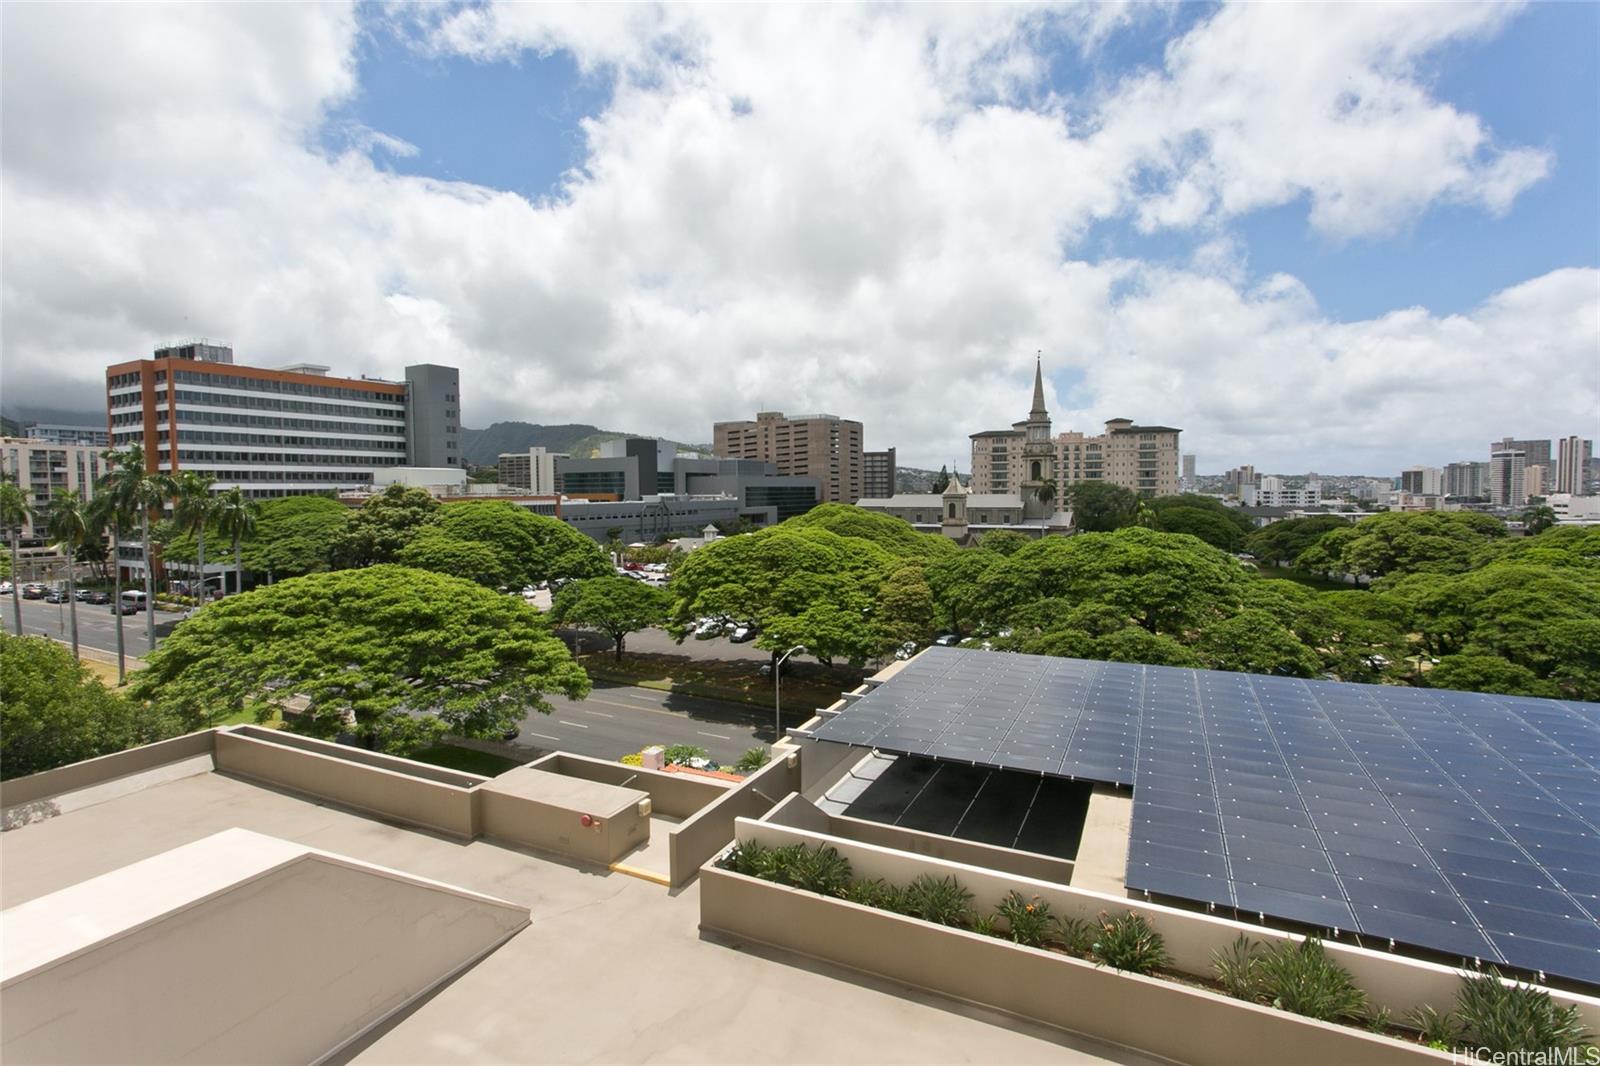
[(1047, 491), (138, 491), (107, 515), (236, 518), (13, 512), (193, 512), (66, 522)]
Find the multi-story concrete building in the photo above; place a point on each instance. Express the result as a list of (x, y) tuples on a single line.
[(1574, 510), (1422, 481), (1274, 492), (433, 415), (41, 468), (1466, 480), (534, 470), (1236, 480), (1019, 460), (878, 473), (1534, 452), (1506, 469), (58, 433), (1573, 456), (825, 447), (1534, 481), (1186, 480)]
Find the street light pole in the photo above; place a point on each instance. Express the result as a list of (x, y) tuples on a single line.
[(777, 694)]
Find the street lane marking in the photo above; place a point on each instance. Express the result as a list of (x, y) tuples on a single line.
[(598, 714), (544, 736), (719, 736), (578, 725)]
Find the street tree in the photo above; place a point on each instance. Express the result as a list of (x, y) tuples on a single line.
[(136, 491), (1539, 518), (1487, 673), (236, 517), (53, 711), (956, 582), (384, 525), (514, 546), (1254, 642), (941, 481), (1204, 523), (1100, 506), (613, 605), (1004, 541), (192, 509), (905, 608), (13, 513), (398, 656), (1398, 543), (1283, 542), (66, 521)]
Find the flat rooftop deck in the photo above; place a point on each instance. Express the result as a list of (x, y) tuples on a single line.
[(613, 968)]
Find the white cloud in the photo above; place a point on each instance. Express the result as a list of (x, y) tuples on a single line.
[(864, 210)]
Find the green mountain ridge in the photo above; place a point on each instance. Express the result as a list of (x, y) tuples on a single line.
[(483, 447)]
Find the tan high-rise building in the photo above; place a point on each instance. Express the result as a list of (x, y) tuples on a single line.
[(825, 447), (1141, 458), (1572, 465)]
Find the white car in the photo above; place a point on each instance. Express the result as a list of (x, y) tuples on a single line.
[(5, 588)]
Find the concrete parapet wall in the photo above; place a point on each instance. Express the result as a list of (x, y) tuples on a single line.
[(105, 768), (366, 784), (674, 795), (1161, 1017), (1400, 983), (708, 831)]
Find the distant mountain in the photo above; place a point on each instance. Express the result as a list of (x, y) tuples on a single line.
[(483, 447), (914, 479), (22, 414)]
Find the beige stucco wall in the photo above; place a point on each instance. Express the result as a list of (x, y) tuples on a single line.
[(674, 795), (387, 793), (106, 767), (694, 841), (1102, 861), (1162, 1017), (545, 810), (1395, 981), (282, 966)]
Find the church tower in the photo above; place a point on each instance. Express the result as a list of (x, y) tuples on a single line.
[(1038, 453), (954, 522)]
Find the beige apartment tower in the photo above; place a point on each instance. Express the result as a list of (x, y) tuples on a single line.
[(825, 447), (1018, 460)]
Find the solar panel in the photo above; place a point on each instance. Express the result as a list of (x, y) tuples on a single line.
[(1459, 822)]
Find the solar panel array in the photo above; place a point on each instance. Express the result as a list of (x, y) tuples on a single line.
[(1460, 822)]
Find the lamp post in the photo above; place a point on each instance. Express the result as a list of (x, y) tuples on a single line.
[(777, 694)]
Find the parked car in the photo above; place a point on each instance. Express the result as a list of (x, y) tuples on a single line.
[(906, 650), (96, 596), (947, 640), (84, 594), (708, 628), (56, 596), (5, 588), (33, 591), (742, 634), (125, 607)]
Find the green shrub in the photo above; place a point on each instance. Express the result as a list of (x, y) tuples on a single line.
[(752, 760), (679, 754), (823, 869), (941, 900), (1076, 935), (1437, 1030), (1027, 921), (1300, 977), (1238, 968), (1129, 942), (985, 924), (746, 857), (1514, 1017), (1379, 1022), (877, 893)]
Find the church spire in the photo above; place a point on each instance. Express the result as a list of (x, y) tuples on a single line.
[(1038, 411)]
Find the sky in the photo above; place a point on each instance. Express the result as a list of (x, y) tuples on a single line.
[(1347, 238)]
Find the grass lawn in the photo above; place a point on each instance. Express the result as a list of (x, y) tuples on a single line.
[(809, 685), (466, 760)]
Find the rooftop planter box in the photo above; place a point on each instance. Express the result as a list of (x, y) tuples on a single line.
[(1153, 1015)]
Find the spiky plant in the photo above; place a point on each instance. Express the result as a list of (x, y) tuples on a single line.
[(941, 900), (1300, 977), (1129, 942), (1515, 1017)]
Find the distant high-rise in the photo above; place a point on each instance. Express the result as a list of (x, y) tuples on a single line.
[(824, 447), (1534, 452), (433, 415), (1506, 468), (534, 470), (878, 472), (1187, 479), (1422, 481), (1235, 480), (1574, 454), (1466, 479), (1533, 481)]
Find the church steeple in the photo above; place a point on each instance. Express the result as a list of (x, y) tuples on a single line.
[(1038, 413)]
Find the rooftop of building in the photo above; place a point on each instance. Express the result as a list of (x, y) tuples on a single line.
[(611, 968)]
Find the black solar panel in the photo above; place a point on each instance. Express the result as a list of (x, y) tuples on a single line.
[(1460, 822)]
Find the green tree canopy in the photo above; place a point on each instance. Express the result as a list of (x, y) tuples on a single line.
[(956, 582), (1487, 673), (1398, 543), (615, 606), (1204, 523), (1004, 541), (1100, 506), (410, 655), (1283, 542), (906, 611), (384, 525), (53, 711), (1235, 517), (526, 548), (893, 535), (293, 535)]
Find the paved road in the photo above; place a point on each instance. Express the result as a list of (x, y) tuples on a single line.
[(97, 626), (617, 720)]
